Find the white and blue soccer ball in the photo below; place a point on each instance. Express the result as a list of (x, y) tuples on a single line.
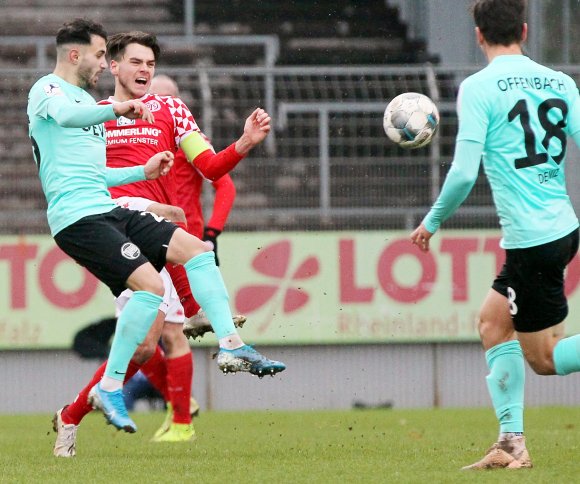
[(411, 119)]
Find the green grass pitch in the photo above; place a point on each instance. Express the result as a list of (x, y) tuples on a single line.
[(358, 446)]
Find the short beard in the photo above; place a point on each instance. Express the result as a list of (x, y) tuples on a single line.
[(84, 79)]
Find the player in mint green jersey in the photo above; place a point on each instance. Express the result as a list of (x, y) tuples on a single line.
[(517, 115), (68, 138), (123, 248)]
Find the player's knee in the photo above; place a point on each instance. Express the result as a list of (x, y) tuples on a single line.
[(155, 286), (176, 214), (493, 332), (146, 278), (159, 288), (487, 331), (540, 359), (541, 364), (184, 246)]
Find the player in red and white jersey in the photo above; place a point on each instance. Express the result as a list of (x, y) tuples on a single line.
[(128, 141), (174, 128), (189, 183), (133, 58), (188, 180)]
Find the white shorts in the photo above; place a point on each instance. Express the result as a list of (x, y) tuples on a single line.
[(134, 203)]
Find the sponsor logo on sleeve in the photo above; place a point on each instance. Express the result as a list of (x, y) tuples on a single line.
[(53, 89), (122, 121)]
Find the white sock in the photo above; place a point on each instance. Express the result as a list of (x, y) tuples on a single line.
[(109, 384), (231, 342), (510, 435)]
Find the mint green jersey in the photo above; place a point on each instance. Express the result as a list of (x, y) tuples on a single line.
[(522, 113), (68, 139)]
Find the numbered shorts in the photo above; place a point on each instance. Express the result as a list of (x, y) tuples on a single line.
[(170, 306), (134, 203), (113, 245), (533, 281)]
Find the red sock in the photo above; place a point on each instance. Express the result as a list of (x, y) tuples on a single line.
[(181, 283), (77, 410), (179, 377), (155, 370)]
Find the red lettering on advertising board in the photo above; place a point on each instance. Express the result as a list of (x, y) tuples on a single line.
[(459, 249), (398, 292), (491, 244), (16, 255), (66, 300), (349, 290), (19, 257)]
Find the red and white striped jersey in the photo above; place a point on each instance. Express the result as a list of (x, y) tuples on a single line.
[(132, 142)]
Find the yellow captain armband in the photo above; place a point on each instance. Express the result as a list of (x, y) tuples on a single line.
[(194, 144)]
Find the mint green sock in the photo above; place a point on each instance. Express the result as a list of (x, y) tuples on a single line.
[(567, 355), (133, 325), (505, 383), (209, 290)]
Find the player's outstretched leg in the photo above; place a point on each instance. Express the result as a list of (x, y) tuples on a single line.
[(248, 359), (209, 289), (198, 324), (66, 436), (113, 407)]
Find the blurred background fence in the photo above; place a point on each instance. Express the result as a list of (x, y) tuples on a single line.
[(325, 70), (327, 164)]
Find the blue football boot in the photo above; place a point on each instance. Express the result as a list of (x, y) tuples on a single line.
[(112, 404), (247, 359)]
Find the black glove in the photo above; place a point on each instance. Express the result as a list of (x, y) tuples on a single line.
[(211, 235)]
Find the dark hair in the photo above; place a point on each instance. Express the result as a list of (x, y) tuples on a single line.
[(501, 22), (118, 43), (79, 31)]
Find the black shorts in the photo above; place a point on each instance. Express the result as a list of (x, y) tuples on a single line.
[(113, 244), (533, 281)]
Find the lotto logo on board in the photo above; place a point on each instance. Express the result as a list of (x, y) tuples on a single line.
[(283, 277)]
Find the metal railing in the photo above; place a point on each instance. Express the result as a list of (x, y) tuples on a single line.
[(42, 44), (329, 165)]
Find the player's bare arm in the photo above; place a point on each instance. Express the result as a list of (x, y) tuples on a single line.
[(133, 109), (158, 165), (420, 237), (256, 129)]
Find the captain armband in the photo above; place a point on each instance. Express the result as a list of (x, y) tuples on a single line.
[(193, 145)]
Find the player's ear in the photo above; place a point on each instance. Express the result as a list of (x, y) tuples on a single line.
[(114, 67), (524, 32), (479, 36), (74, 55)]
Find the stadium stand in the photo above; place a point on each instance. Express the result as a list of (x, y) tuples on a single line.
[(336, 32), (280, 185), (326, 32), (44, 17)]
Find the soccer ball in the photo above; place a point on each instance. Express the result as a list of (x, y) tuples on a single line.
[(411, 119)]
